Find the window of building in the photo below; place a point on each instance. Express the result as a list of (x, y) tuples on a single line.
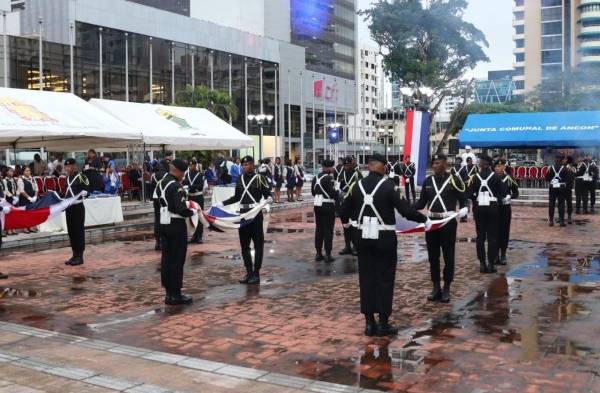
[(520, 29), (551, 14), (520, 43), (519, 3), (552, 70), (551, 3), (552, 42), (519, 71), (551, 28), (520, 85), (519, 15), (551, 56), (590, 7), (519, 57)]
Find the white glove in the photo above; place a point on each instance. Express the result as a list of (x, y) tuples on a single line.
[(6, 209), (219, 205), (84, 193), (32, 199), (428, 225), (195, 212), (462, 213), (507, 199), (270, 200), (267, 208)]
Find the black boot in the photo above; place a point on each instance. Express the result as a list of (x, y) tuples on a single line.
[(354, 252), (503, 260), (562, 223), (346, 251), (482, 267), (255, 278), (570, 220), (76, 261), (492, 268), (176, 298), (370, 325), (551, 222), (329, 258), (436, 293), (157, 246), (446, 293), (69, 261), (246, 278), (384, 328), (319, 257)]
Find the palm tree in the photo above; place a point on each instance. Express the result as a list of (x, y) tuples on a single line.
[(218, 102)]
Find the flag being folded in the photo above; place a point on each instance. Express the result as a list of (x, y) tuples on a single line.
[(404, 226), (36, 213), (222, 220)]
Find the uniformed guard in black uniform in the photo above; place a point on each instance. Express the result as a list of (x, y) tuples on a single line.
[(195, 184), (370, 206), (173, 232), (348, 176), (466, 172), (249, 190), (2, 195), (75, 214), (339, 169), (409, 180), (161, 172), (569, 191), (559, 176), (505, 209), (486, 188), (395, 171), (587, 175), (440, 194), (323, 189)]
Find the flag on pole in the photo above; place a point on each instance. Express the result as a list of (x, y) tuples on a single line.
[(36, 213), (416, 142), (404, 226)]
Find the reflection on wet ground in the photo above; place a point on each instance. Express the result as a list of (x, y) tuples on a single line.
[(508, 332)]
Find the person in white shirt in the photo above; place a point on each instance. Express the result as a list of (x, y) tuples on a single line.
[(468, 153)]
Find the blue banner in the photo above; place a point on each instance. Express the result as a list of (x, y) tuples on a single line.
[(532, 130)]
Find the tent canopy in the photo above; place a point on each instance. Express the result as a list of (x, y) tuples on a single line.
[(32, 119), (177, 128), (532, 130)]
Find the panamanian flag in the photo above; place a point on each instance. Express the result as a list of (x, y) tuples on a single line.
[(416, 142)]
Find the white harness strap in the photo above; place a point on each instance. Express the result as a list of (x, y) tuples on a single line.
[(557, 174), (70, 183), (162, 191), (484, 183), (346, 182), (318, 183), (247, 187), (438, 193), (192, 180), (368, 201)]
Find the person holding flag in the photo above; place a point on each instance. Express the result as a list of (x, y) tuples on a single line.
[(173, 232), (370, 206), (75, 214), (249, 190), (440, 194), (195, 184), (323, 189)]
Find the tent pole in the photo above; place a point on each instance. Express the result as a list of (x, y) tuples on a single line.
[(143, 161)]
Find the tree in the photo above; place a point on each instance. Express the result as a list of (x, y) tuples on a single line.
[(426, 46), (218, 102)]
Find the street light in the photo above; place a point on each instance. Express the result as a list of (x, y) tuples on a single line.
[(260, 120)]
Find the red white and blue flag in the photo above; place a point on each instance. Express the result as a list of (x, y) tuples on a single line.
[(222, 219), (404, 226), (36, 213), (416, 142)]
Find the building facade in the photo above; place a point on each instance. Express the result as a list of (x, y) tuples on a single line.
[(498, 88), (552, 36), (148, 52)]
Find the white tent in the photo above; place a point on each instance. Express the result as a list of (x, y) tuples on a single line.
[(63, 121), (176, 128)]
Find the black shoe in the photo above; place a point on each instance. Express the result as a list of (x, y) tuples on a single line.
[(329, 259), (354, 253), (386, 329), (254, 279), (482, 267), (76, 261), (436, 293), (370, 329), (69, 261), (176, 300), (446, 294), (319, 257), (157, 246), (346, 251), (246, 278), (491, 268), (570, 220), (551, 223), (503, 261), (562, 223), (3, 276)]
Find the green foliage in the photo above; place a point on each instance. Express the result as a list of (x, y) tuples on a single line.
[(218, 102), (431, 47)]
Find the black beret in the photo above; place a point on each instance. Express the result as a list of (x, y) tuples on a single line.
[(179, 164), (485, 157), (348, 160), (500, 161), (328, 163), (193, 162), (439, 157), (247, 159), (378, 157), (70, 161)]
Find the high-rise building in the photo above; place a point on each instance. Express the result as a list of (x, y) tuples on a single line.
[(552, 36), (181, 7), (363, 128), (497, 88)]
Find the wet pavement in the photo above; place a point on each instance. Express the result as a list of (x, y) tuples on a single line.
[(532, 328)]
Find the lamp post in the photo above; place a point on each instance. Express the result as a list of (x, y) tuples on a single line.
[(260, 120)]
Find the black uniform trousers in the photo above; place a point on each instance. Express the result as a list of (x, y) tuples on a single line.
[(377, 260), (569, 200), (588, 194), (557, 194), (76, 228), (409, 186), (579, 190), (199, 199), (253, 232), (173, 238), (444, 239), (504, 220), (156, 206), (486, 224), (324, 224)]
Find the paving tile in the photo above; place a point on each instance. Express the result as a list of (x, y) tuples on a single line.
[(163, 357), (285, 380), (200, 364), (129, 351), (241, 372), (71, 372), (145, 388), (110, 382)]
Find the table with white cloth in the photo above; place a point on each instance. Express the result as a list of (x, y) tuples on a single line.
[(98, 211)]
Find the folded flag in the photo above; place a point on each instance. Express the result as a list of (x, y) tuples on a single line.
[(222, 220), (36, 213), (404, 226)]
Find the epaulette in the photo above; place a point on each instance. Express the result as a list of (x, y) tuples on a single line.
[(461, 187), (84, 179), (349, 192)]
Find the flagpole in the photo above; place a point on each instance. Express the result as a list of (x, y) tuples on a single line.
[(324, 121), (127, 68), (41, 54), (302, 117), (289, 115), (314, 123), (71, 57), (151, 71), (101, 63)]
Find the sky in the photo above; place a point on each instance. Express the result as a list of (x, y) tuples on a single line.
[(495, 22)]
